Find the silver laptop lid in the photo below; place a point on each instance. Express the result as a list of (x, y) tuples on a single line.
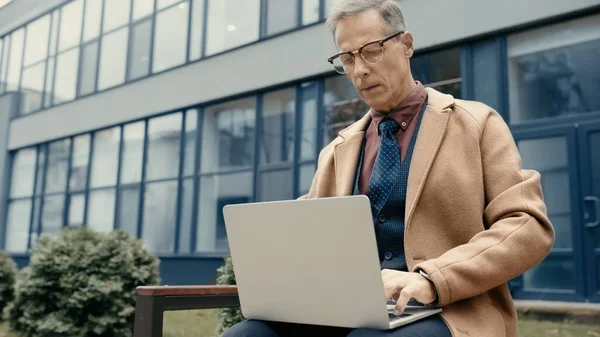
[(308, 261)]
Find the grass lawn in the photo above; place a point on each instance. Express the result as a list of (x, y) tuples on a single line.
[(202, 323)]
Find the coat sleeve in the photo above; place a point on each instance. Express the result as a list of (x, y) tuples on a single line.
[(518, 234)]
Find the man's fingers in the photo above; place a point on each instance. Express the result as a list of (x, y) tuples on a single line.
[(390, 288), (402, 301)]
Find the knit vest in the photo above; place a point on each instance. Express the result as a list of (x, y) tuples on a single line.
[(389, 222)]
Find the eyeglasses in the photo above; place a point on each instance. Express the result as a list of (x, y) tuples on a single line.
[(371, 53)]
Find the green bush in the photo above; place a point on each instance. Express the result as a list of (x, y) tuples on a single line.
[(81, 283), (227, 317), (8, 274)]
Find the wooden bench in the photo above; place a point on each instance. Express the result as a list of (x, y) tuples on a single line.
[(151, 302)]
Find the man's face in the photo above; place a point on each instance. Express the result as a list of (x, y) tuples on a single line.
[(380, 85)]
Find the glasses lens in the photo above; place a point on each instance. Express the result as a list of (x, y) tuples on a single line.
[(343, 63), (372, 53)]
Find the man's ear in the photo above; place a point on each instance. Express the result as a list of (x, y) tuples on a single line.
[(407, 40)]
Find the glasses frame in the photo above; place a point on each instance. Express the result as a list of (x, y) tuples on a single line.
[(359, 50)]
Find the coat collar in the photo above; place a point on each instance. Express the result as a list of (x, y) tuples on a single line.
[(430, 137)]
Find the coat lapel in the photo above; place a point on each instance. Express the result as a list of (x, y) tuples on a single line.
[(429, 139), (346, 155)]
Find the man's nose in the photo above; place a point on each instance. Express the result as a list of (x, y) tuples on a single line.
[(361, 68)]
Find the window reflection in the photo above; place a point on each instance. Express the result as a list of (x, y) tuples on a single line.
[(36, 46), (106, 156), (278, 120), (101, 210), (439, 70), (216, 192), (14, 60), (139, 61), (282, 15), (66, 76), (557, 75), (133, 150), (17, 226), (231, 23), (87, 80), (80, 162), (164, 136), (116, 14), (228, 135), (70, 25), (91, 22), (160, 201), (32, 87), (57, 166), (170, 37), (23, 169), (113, 59)]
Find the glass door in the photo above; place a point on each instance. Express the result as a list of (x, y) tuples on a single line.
[(553, 153), (589, 145)]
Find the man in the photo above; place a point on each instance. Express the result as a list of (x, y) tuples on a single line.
[(456, 216)]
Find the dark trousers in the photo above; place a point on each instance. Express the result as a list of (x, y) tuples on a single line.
[(432, 326)]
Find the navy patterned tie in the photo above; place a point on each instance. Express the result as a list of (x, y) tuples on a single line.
[(387, 165)]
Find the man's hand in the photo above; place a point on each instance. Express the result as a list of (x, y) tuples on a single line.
[(402, 286)]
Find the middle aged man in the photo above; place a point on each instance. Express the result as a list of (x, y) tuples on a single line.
[(455, 214)]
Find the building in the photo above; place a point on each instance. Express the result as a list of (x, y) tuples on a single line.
[(150, 115)]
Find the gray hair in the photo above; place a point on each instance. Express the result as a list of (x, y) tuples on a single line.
[(389, 10)]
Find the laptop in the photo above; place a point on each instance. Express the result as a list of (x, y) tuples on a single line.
[(312, 262)]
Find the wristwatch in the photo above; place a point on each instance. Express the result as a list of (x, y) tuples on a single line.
[(426, 276)]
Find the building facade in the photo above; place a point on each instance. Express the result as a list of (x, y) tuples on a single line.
[(151, 115)]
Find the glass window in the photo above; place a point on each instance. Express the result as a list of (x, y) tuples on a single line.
[(215, 192), (160, 4), (49, 86), (129, 204), (80, 163), (54, 32), (555, 71), (142, 8), (14, 61), (116, 14), (228, 135), (282, 15), (17, 226), (343, 106), (65, 81), (1, 64), (164, 136), (89, 62), (197, 29), (32, 87), (275, 185), (160, 210), (93, 14), (36, 46), (549, 156), (4, 64), (439, 70), (133, 150), (308, 134), (58, 166), (231, 23), (551, 274), (101, 210), (76, 209), (23, 172), (310, 11), (170, 38), (191, 121), (53, 214), (278, 121), (139, 61), (105, 157), (70, 25), (307, 173), (113, 59), (41, 168), (185, 217)]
